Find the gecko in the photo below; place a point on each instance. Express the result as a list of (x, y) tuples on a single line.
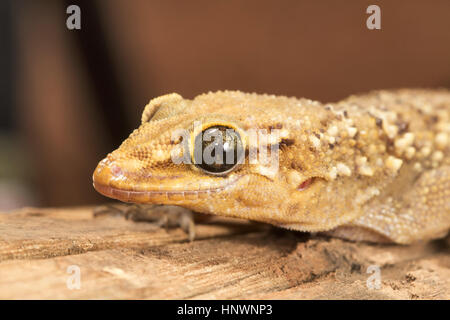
[(372, 167)]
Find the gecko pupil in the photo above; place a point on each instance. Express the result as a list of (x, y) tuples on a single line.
[(217, 150)]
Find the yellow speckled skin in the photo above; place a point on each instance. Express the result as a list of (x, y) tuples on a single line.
[(380, 163)]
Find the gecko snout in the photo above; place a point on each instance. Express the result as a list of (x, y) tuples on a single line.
[(105, 175)]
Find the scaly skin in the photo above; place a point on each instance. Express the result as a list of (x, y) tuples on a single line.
[(371, 167)]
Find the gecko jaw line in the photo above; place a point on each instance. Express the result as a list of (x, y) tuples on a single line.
[(155, 195)]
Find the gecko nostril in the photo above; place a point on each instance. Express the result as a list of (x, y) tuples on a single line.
[(116, 171)]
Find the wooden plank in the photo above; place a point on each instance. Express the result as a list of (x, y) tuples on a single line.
[(229, 259)]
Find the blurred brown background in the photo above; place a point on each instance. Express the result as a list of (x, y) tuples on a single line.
[(68, 97)]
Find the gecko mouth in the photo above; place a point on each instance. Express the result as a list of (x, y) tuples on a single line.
[(160, 196), (105, 176)]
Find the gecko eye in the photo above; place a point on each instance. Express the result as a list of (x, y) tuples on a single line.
[(218, 150)]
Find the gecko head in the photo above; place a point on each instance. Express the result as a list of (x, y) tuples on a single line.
[(226, 153), (185, 152)]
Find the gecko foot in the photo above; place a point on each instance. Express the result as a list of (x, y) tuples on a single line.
[(160, 215)]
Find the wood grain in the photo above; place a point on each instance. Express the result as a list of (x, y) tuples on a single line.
[(230, 259)]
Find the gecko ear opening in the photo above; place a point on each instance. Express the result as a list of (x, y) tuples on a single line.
[(163, 107)]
